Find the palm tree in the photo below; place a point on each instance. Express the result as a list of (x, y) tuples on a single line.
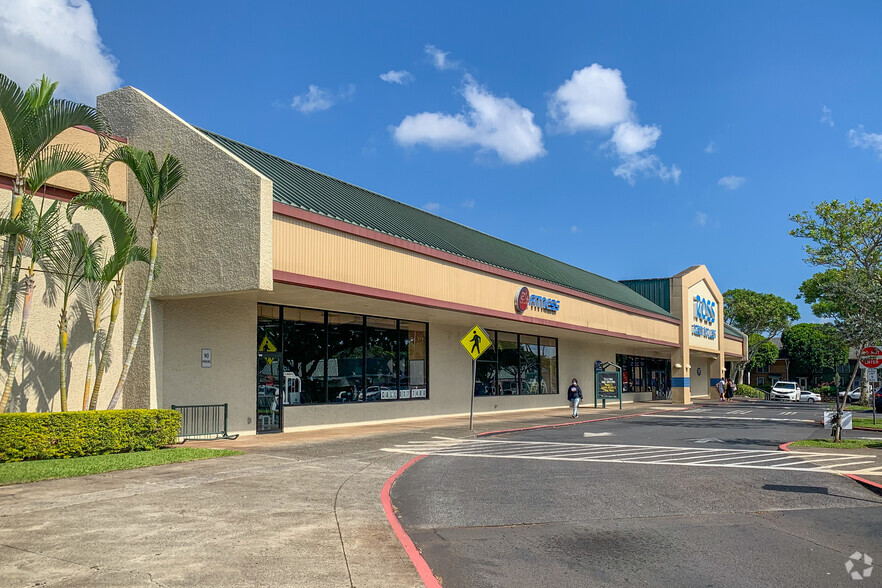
[(110, 272), (72, 262), (41, 229), (34, 118), (158, 184)]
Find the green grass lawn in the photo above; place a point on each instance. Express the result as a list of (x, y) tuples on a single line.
[(48, 469), (867, 422), (844, 444)]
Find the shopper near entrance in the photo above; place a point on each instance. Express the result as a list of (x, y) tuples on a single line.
[(730, 389), (574, 395), (721, 389)]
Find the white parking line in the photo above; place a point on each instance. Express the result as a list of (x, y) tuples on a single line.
[(642, 454)]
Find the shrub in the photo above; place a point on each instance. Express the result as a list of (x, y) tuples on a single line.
[(27, 436), (749, 391)]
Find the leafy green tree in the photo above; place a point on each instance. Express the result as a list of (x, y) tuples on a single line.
[(845, 238), (110, 274), (34, 119), (41, 230), (158, 185), (756, 313), (814, 348), (765, 352), (70, 263)]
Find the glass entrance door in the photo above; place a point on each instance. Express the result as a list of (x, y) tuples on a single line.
[(269, 392)]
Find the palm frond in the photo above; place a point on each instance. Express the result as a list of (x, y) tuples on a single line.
[(40, 93), (57, 159), (16, 114), (119, 223), (14, 227), (56, 117), (141, 163)]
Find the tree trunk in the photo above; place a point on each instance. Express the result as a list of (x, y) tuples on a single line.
[(9, 254), (154, 243), (62, 357), (105, 353), (96, 327), (10, 304), (19, 345)]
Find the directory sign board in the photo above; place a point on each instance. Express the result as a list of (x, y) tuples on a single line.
[(608, 385)]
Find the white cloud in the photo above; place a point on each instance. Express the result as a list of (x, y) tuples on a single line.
[(827, 116), (432, 206), (636, 166), (864, 140), (575, 229), (594, 98), (700, 218), (439, 58), (399, 76), (58, 38), (731, 182), (316, 99), (468, 203), (711, 147), (630, 138), (490, 122)]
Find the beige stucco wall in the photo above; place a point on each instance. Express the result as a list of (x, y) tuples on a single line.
[(228, 326), (304, 248), (37, 379), (85, 141), (215, 235)]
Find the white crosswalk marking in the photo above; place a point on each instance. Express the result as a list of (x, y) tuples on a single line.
[(738, 411), (790, 412), (643, 454)]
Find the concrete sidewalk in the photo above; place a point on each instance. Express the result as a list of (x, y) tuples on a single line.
[(299, 509)]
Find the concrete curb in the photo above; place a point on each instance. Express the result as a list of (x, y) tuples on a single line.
[(785, 446), (556, 425), (866, 429), (873, 486), (413, 553)]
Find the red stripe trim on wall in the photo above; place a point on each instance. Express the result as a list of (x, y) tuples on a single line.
[(379, 294), (45, 191), (344, 227), (91, 130)]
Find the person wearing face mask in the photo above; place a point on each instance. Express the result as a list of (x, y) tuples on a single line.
[(574, 395)]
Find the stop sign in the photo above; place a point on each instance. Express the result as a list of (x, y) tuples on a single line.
[(871, 357)]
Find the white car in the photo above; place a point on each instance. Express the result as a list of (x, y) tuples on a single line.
[(809, 397), (854, 395), (785, 391)]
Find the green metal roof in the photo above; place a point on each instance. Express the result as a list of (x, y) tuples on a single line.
[(310, 190), (730, 330), (657, 290)]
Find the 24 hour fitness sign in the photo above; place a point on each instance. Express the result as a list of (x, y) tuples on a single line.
[(705, 316), (525, 300)]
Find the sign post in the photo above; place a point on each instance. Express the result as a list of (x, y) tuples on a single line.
[(476, 341), (607, 385)]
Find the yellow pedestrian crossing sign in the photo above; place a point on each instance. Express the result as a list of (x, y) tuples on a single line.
[(266, 345), (476, 342)]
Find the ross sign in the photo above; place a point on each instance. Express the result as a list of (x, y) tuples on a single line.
[(871, 357), (828, 419), (476, 342), (607, 385), (704, 313), (206, 358), (525, 300), (871, 374)]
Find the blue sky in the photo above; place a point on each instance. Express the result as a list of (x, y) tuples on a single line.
[(629, 139)]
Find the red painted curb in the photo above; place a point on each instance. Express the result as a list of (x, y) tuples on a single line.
[(866, 429), (863, 481), (785, 446), (413, 553), (555, 425)]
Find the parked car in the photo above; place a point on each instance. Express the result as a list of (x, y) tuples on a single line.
[(877, 395), (853, 396), (785, 391), (809, 397)]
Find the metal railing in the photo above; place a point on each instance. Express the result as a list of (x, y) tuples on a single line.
[(203, 421)]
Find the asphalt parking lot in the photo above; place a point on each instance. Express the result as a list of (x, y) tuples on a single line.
[(694, 498)]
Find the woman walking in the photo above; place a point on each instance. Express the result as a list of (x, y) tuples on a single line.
[(574, 395), (730, 389)]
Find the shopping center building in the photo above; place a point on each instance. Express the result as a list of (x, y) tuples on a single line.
[(301, 300)]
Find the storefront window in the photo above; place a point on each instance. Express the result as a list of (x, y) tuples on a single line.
[(304, 356), (413, 359), (529, 364), (330, 357), (517, 364), (485, 371), (548, 358), (509, 359), (645, 374), (345, 371), (381, 377)]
